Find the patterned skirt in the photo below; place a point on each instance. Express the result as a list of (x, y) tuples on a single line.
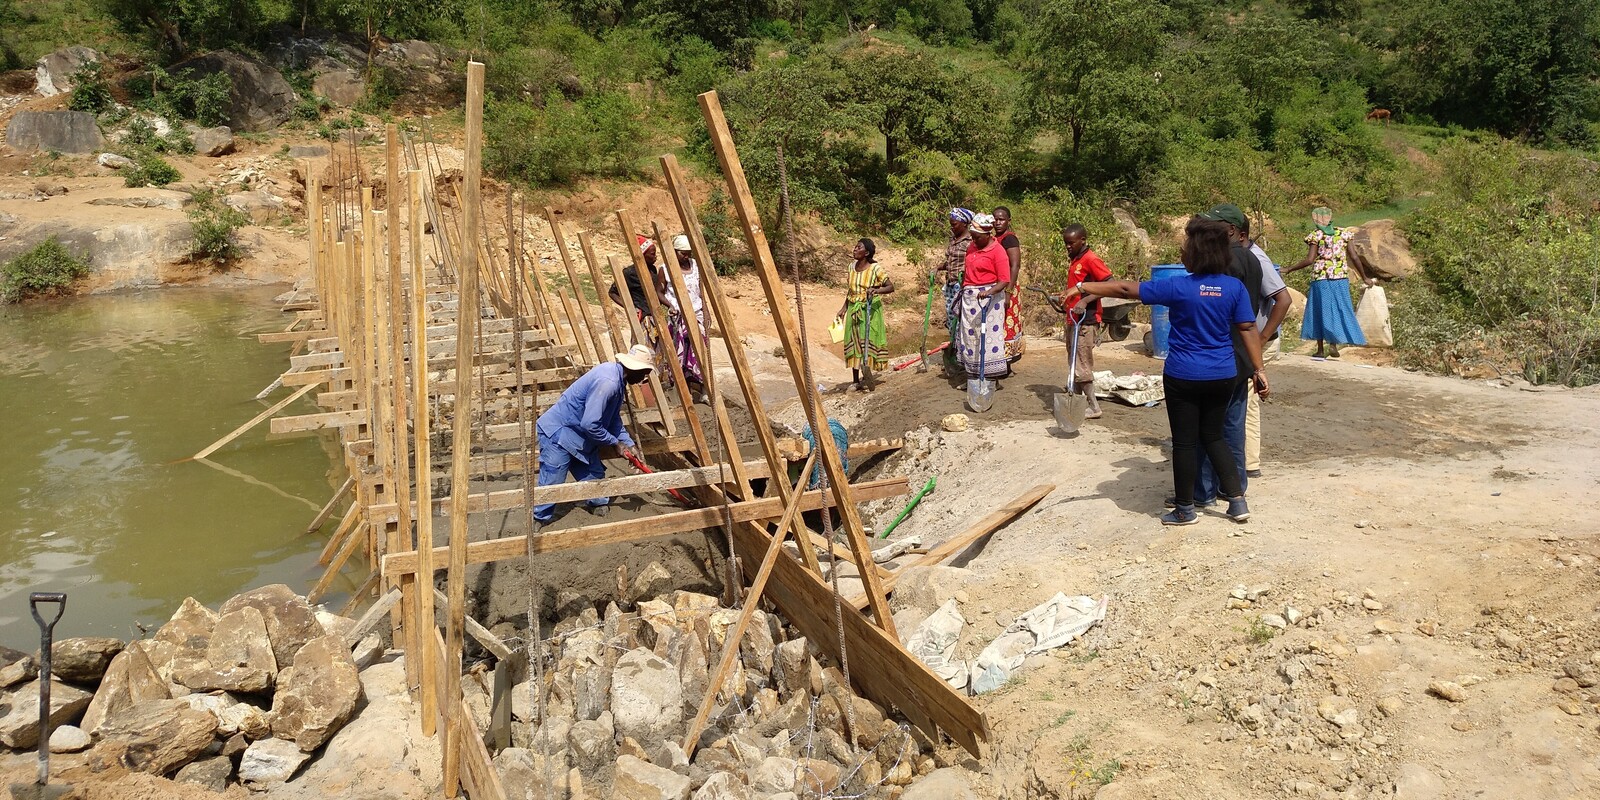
[(1016, 343), (982, 333), (684, 348), (863, 331)]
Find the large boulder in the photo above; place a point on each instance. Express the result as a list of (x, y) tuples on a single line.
[(381, 753), (290, 621), (19, 728), (213, 142), (131, 679), (261, 98), (646, 697), (337, 81), (52, 74), (1385, 248), (316, 696), (83, 659), (238, 658), (155, 737), (60, 131)]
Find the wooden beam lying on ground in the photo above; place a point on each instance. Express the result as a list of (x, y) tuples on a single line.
[(630, 530), (961, 541)]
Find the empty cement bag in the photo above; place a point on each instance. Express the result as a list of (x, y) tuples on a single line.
[(1373, 316)]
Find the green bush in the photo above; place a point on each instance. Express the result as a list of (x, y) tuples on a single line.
[(216, 226), (1510, 258), (149, 169), (48, 268), (601, 135), (91, 91)]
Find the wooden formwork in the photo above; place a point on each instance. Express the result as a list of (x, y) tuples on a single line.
[(421, 327)]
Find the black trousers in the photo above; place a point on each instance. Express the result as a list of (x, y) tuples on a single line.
[(1197, 410)]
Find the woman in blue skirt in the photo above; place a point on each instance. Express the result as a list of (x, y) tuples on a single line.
[(1330, 317)]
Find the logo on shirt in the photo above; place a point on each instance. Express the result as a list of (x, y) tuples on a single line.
[(1210, 291)]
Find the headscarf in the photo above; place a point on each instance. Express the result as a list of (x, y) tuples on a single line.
[(1323, 212), (646, 244), (983, 223), (959, 214)]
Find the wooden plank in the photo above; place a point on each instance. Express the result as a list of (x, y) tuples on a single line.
[(332, 358), (466, 318), (795, 448), (346, 525), (711, 284), (476, 770), (752, 599), (577, 491), (577, 286), (315, 377), (645, 528), (333, 502), (370, 620), (427, 630), (288, 337), (254, 421), (657, 396), (316, 422), (767, 269), (961, 541), (489, 641)]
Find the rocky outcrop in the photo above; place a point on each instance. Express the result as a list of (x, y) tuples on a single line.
[(131, 679), (19, 728), (317, 695), (58, 131), (290, 621), (155, 737), (52, 74), (261, 99), (340, 83), (83, 659), (1385, 249)]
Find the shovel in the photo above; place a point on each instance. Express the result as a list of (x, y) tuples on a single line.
[(41, 788), (980, 390), (927, 314), (1069, 407)]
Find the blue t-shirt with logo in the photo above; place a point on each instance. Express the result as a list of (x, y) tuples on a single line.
[(1204, 310)]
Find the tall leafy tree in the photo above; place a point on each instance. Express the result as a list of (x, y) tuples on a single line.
[(920, 101)]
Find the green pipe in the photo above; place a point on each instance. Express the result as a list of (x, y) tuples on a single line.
[(904, 512)]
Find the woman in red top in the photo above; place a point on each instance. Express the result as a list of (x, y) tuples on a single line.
[(983, 302)]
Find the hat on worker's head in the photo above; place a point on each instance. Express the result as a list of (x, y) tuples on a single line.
[(982, 223), (1227, 212), (681, 243), (646, 244), (640, 357)]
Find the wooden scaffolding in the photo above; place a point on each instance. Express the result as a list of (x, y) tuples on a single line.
[(423, 328)]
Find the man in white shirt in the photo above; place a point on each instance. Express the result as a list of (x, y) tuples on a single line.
[(1274, 307)]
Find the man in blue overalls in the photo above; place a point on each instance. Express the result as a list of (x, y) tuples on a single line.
[(586, 418)]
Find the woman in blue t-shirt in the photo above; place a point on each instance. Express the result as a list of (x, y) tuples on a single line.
[(1205, 307)]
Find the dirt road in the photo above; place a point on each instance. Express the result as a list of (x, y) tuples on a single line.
[(1422, 529)]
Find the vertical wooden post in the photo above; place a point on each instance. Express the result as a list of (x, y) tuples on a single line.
[(579, 333), (461, 429), (397, 364), (711, 283), (767, 268), (572, 275), (373, 367), (424, 629), (659, 313)]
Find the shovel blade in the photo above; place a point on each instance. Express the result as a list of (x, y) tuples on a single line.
[(980, 394), (1069, 410)]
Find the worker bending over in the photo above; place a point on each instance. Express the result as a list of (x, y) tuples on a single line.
[(586, 418)]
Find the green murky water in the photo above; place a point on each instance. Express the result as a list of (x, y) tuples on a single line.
[(102, 400)]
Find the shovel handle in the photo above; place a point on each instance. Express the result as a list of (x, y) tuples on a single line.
[(59, 598)]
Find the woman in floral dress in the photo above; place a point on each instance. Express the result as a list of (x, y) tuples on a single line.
[(1330, 317)]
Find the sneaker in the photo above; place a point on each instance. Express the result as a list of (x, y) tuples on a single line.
[(1180, 516), (1252, 473), (1238, 509), (1172, 502)]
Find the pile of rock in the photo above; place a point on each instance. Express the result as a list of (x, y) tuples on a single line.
[(248, 692), (620, 688)]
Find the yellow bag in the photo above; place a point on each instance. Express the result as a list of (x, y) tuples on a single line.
[(836, 330)]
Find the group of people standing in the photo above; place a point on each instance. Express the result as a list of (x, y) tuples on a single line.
[(982, 273)]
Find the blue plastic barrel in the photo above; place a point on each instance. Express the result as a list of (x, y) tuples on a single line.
[(1160, 325)]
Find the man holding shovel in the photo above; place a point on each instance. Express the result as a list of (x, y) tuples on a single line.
[(1083, 313), (586, 418)]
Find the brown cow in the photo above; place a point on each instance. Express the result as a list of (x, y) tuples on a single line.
[(1379, 114)]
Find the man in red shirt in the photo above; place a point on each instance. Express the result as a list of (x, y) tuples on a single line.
[(1086, 267)]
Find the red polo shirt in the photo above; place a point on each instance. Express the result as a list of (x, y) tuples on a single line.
[(986, 266)]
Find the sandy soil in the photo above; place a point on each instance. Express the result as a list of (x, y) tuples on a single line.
[(1454, 507)]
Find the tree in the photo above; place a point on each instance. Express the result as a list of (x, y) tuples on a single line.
[(1523, 68), (179, 27), (917, 100), (1089, 67)]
